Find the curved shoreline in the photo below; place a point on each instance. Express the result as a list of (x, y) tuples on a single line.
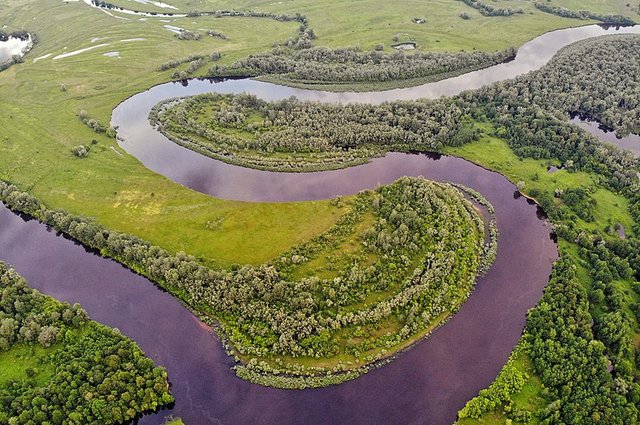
[(252, 185), (427, 384), (421, 376), (196, 169)]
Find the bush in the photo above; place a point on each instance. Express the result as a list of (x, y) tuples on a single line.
[(81, 151)]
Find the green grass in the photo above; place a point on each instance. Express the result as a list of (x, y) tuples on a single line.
[(328, 263), (495, 154), (40, 126), (365, 23), (15, 361)]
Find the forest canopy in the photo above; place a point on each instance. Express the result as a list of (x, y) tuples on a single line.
[(86, 373), (350, 66), (291, 135)]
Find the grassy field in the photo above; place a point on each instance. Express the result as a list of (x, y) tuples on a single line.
[(366, 23), (40, 126), (15, 362), (495, 154)]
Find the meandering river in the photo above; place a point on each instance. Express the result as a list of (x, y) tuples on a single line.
[(426, 385)]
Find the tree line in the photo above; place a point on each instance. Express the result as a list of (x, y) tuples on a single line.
[(585, 14), (490, 10), (350, 65)]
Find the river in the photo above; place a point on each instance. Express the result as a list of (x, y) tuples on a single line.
[(425, 385)]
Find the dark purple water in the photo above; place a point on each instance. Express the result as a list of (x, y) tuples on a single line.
[(426, 385)]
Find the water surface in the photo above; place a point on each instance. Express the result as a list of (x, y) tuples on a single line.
[(607, 135), (426, 385), (14, 46)]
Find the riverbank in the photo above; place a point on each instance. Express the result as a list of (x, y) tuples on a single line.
[(50, 354), (370, 328), (433, 376)]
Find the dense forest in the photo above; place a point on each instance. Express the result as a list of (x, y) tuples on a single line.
[(291, 135), (597, 78), (87, 374), (394, 267), (320, 65)]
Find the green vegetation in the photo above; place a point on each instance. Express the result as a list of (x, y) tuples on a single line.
[(595, 279), (295, 63), (577, 81), (56, 364), (490, 10), (290, 135), (368, 23), (174, 421), (394, 267), (582, 338), (41, 125), (585, 14), (514, 390), (352, 69)]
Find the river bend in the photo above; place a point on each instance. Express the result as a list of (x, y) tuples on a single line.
[(425, 385)]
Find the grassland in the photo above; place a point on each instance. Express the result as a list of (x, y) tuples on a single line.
[(15, 362), (366, 23), (495, 154), (40, 127)]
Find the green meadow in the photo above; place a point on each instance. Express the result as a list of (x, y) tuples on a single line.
[(42, 97), (366, 23)]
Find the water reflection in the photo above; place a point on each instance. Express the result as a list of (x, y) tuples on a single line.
[(607, 135)]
